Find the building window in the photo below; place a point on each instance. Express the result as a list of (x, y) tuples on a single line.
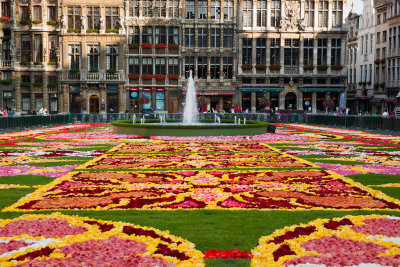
[(308, 51), (309, 13), (24, 12), (378, 37), (189, 66), (74, 17), (202, 67), (5, 9), (261, 50), (112, 18), (379, 20), (26, 48), (161, 66), (337, 11), (26, 103), (323, 13), (173, 35), (51, 13), (147, 34), (134, 8), (384, 37), (291, 52), (74, 56), (247, 13), (336, 51), (37, 13), (228, 37), (189, 10), (147, 65), (214, 68), (93, 57), (147, 8), (262, 13), (215, 38), (189, 37), (173, 65), (38, 48), (202, 9), (6, 53), (228, 9), (247, 51), (160, 8), (228, 67), (160, 99), (215, 9), (173, 9), (322, 51), (202, 37), (275, 51), (371, 40), (161, 35), (112, 57), (134, 35), (133, 65), (93, 17), (275, 13)]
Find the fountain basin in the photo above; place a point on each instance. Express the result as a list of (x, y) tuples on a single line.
[(206, 128)]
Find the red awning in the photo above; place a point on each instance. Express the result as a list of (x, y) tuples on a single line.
[(147, 89), (160, 89), (133, 89), (214, 92), (390, 100)]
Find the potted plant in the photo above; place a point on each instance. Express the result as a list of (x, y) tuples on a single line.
[(147, 46), (337, 67), (92, 31), (24, 22), (144, 100), (382, 85), (134, 46), (264, 102), (247, 67), (383, 60), (308, 67), (111, 71), (160, 77), (6, 38), (38, 63), (36, 22), (376, 85), (52, 63), (146, 76), (369, 82), (328, 104), (360, 83), (173, 46), (51, 22), (160, 46), (74, 30), (80, 100), (4, 18), (25, 84), (173, 76), (73, 70), (261, 66), (24, 63), (133, 76), (6, 82), (322, 67), (93, 70), (112, 30), (377, 61), (38, 84), (275, 67), (52, 84)]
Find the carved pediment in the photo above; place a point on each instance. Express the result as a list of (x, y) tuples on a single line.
[(291, 20)]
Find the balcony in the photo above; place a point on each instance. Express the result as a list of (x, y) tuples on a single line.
[(7, 63), (291, 70), (85, 76)]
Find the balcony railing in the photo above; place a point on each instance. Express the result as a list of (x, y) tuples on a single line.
[(291, 70), (93, 76), (7, 63)]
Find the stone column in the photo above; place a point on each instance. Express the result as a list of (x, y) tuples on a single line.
[(269, 3), (65, 98), (253, 102), (316, 8), (18, 97), (253, 53), (282, 55), (32, 90), (330, 5), (268, 52), (254, 22), (221, 103), (343, 52), (122, 98), (329, 53), (45, 91), (315, 54), (240, 52), (301, 56), (314, 102)]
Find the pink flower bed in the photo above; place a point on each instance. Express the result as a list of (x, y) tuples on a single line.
[(41, 227), (358, 169), (89, 136), (381, 226), (54, 171)]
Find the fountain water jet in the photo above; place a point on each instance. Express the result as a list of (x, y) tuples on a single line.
[(190, 111)]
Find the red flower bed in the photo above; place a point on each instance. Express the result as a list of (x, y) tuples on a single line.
[(226, 254), (4, 18), (173, 46), (147, 46), (161, 45), (146, 76), (173, 76), (133, 76), (134, 46), (160, 77)]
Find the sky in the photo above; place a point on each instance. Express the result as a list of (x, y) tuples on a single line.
[(358, 5)]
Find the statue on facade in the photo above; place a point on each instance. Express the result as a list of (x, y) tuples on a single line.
[(101, 23), (290, 19), (121, 23), (302, 24), (63, 21), (83, 24)]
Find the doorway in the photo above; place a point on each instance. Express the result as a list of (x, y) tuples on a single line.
[(94, 104), (291, 101)]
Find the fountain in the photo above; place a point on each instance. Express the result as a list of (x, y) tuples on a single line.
[(190, 115), (190, 125)]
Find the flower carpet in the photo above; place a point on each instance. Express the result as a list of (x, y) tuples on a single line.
[(224, 194)]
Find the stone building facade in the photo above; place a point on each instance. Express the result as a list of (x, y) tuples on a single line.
[(291, 54), (98, 57)]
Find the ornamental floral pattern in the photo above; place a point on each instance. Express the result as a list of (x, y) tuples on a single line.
[(58, 240)]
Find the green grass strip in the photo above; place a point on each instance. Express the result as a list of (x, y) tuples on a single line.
[(26, 180), (375, 179)]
